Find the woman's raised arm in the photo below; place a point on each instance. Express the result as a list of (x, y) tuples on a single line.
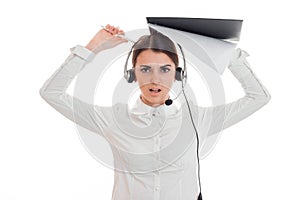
[(54, 93), (216, 118), (54, 89)]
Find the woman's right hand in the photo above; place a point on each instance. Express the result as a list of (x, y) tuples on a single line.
[(106, 39)]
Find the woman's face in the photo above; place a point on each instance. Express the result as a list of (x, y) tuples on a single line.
[(155, 74)]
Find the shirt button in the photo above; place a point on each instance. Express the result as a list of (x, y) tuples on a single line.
[(155, 113), (157, 188)]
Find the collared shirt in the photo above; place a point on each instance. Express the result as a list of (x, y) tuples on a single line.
[(154, 148)]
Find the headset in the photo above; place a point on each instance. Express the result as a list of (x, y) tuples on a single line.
[(180, 75)]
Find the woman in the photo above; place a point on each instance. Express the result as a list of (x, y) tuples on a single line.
[(153, 144)]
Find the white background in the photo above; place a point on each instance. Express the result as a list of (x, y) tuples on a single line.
[(40, 152)]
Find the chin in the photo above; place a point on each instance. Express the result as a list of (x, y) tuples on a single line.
[(154, 100)]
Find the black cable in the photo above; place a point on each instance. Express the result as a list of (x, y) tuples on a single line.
[(200, 194), (182, 89)]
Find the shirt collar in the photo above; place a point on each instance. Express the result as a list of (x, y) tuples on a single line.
[(140, 108)]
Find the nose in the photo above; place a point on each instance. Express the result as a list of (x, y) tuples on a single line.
[(155, 78)]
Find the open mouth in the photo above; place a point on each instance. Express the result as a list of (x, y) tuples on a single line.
[(155, 90)]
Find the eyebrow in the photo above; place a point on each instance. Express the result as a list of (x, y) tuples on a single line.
[(147, 66)]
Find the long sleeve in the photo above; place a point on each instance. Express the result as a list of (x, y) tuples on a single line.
[(216, 118), (54, 93)]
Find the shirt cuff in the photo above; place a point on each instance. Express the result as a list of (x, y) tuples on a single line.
[(83, 52), (238, 58)]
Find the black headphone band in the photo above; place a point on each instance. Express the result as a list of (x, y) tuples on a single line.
[(184, 73)]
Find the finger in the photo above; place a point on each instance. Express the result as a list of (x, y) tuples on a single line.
[(121, 32), (114, 30), (109, 29)]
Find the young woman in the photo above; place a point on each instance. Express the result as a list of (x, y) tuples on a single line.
[(153, 145)]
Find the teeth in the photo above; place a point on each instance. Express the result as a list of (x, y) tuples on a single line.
[(155, 90)]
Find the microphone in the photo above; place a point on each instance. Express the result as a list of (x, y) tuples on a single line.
[(168, 102)]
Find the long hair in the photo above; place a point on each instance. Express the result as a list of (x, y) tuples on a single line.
[(156, 42)]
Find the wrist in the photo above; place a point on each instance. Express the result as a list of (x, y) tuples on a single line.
[(83, 52), (90, 46)]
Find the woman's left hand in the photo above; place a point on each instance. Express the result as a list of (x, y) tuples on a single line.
[(106, 38)]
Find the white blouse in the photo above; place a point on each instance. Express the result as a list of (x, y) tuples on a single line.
[(154, 148)]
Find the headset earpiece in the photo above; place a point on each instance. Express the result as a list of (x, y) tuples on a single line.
[(179, 75), (129, 75)]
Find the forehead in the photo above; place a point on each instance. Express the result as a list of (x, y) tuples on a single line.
[(149, 56)]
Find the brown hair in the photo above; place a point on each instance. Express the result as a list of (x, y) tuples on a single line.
[(156, 42)]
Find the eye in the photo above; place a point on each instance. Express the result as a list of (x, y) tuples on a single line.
[(165, 70), (145, 70)]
